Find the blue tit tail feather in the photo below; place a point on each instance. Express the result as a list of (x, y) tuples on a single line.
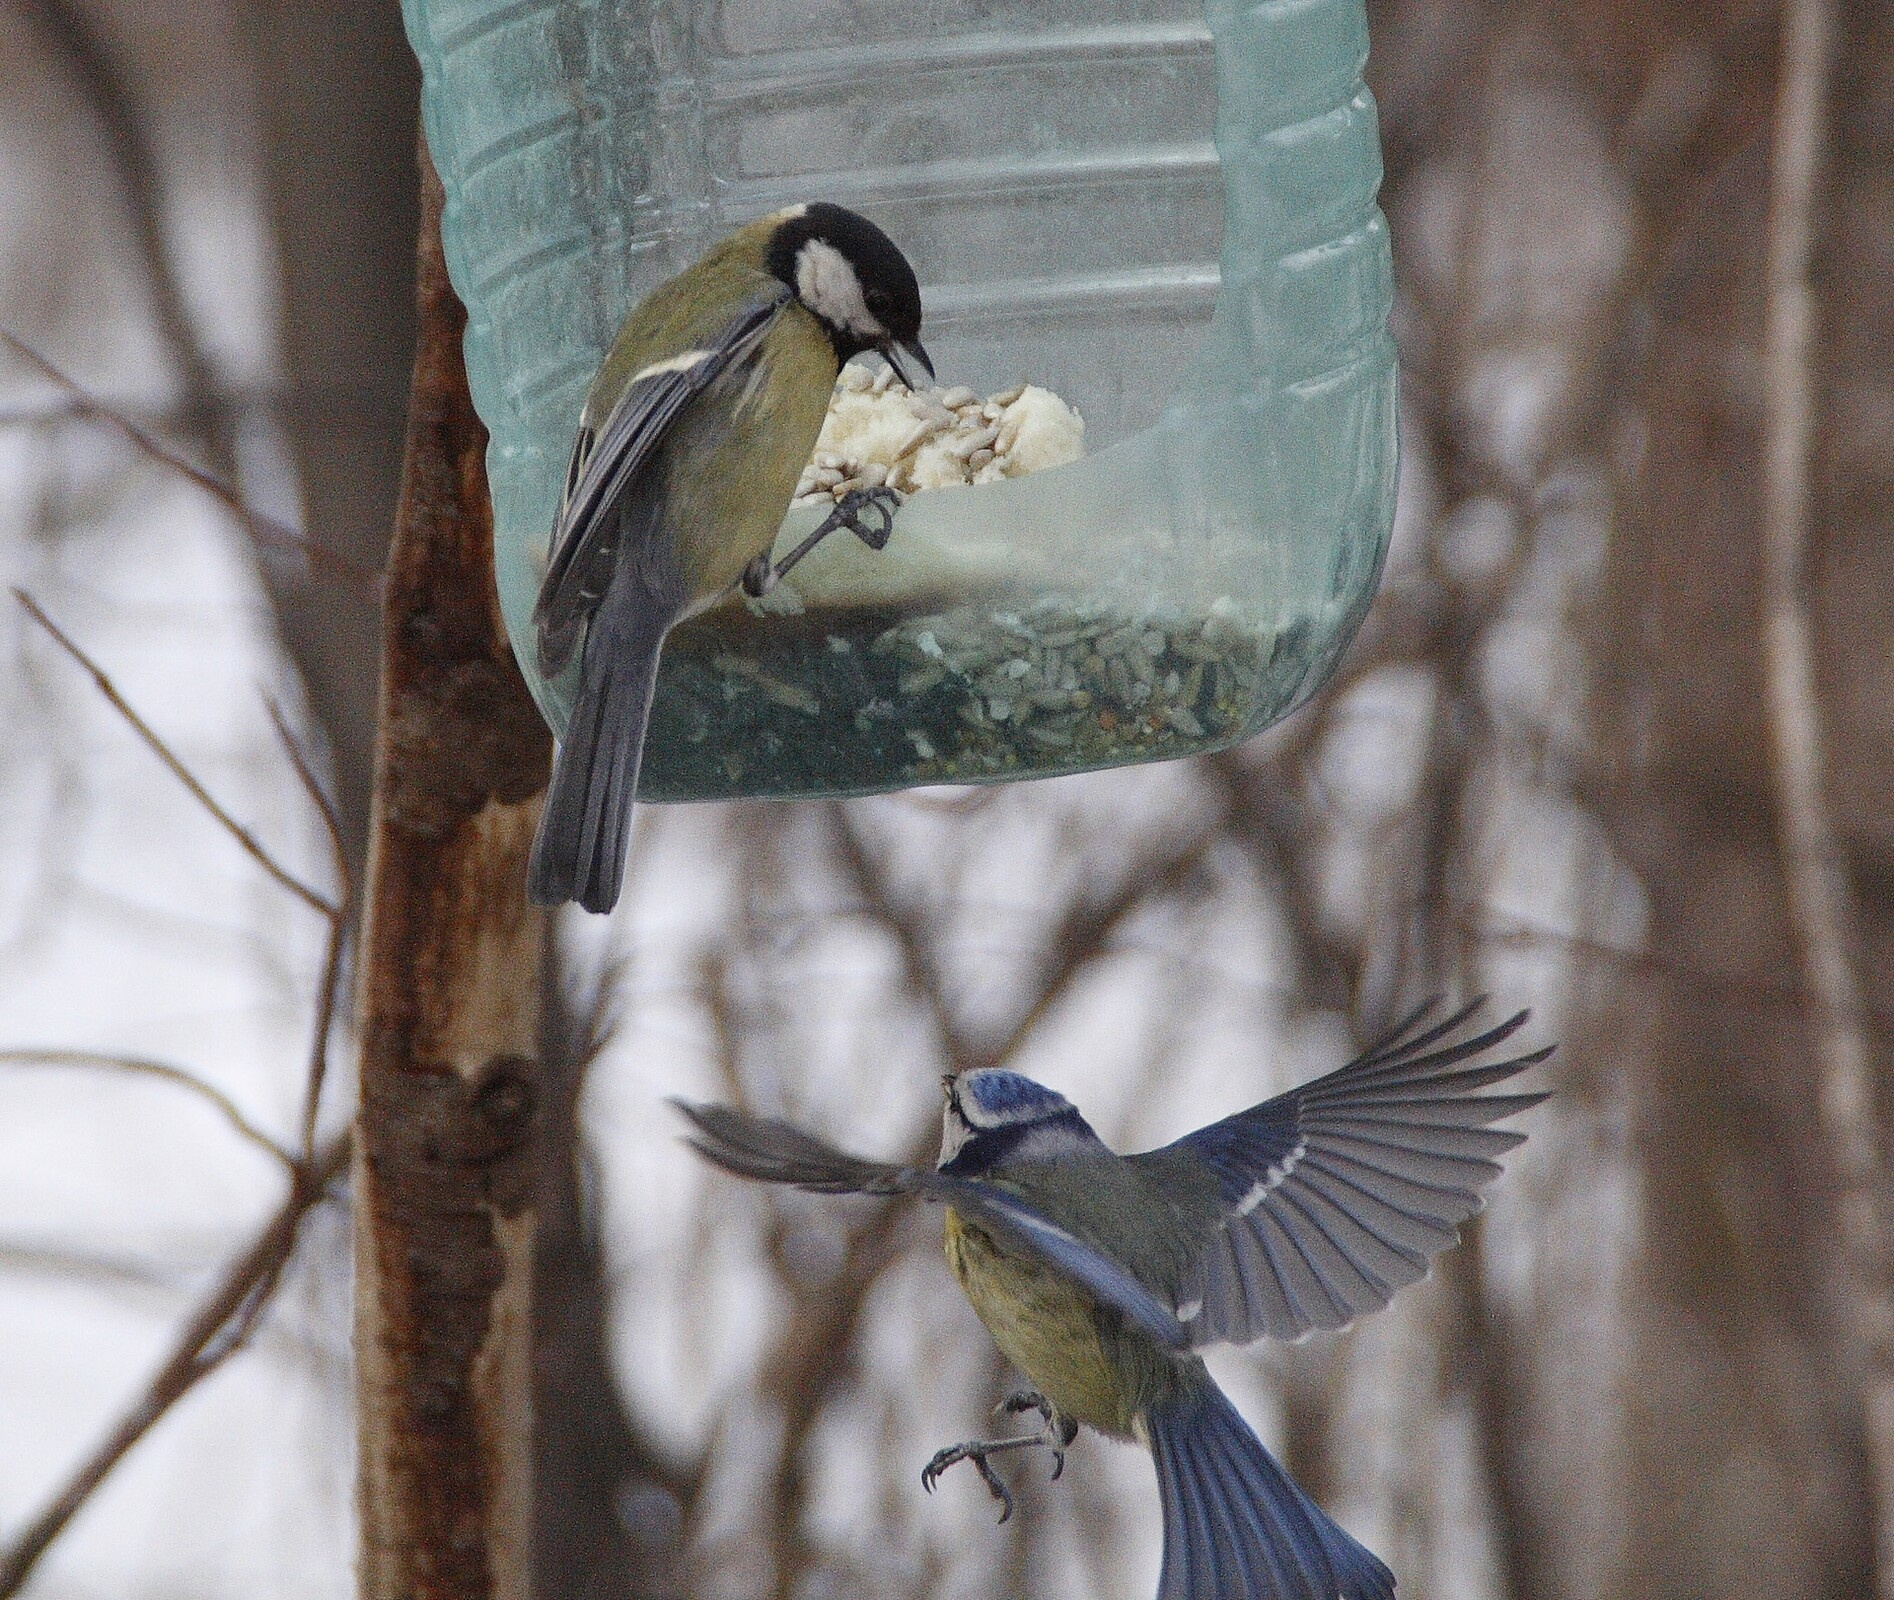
[(1236, 1527), (579, 851)]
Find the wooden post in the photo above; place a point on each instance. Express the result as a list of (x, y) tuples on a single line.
[(445, 1166)]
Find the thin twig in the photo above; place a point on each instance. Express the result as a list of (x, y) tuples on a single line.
[(1821, 908), (263, 530), (310, 897), (329, 987), (164, 1072), (213, 1334)]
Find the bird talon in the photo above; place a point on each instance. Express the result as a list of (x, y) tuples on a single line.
[(1027, 1400), (760, 576), (882, 501)]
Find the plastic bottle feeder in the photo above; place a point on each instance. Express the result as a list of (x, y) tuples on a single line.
[(1167, 219)]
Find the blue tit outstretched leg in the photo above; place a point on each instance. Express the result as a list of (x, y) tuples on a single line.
[(866, 513), (1055, 1434)]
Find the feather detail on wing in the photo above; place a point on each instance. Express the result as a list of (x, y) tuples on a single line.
[(1338, 1193), (778, 1152), (584, 546)]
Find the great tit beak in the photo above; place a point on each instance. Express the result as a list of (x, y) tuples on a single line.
[(891, 352)]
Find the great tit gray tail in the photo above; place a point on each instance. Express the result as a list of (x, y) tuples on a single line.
[(1235, 1525), (579, 851)]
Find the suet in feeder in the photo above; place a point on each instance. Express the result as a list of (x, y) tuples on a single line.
[(1060, 174)]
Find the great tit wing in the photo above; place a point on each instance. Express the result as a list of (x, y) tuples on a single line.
[(1334, 1195), (778, 1152), (607, 460)]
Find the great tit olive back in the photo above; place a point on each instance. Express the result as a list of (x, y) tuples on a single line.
[(688, 449), (1101, 1275)]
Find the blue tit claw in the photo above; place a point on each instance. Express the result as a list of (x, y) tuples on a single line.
[(1023, 1401), (1055, 1435), (976, 1451)]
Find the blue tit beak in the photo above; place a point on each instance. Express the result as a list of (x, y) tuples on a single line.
[(891, 352)]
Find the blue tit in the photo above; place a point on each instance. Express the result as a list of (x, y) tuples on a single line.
[(699, 421), (1100, 1276)]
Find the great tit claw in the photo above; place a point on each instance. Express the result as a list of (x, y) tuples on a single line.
[(880, 504), (760, 576)]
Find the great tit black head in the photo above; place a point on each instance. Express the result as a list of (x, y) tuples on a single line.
[(854, 279)]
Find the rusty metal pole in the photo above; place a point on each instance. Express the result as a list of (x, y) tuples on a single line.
[(446, 1153)]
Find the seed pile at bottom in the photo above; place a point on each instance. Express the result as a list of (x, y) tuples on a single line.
[(962, 694)]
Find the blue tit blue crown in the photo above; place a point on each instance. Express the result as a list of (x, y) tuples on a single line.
[(994, 1116), (996, 1098)]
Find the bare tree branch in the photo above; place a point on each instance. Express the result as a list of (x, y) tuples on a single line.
[(328, 988), (163, 1072), (214, 1333), (264, 531), (1821, 900), (280, 874)]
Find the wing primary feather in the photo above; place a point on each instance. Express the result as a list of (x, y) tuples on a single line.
[(1397, 1043), (1461, 1084), (1420, 1191), (1337, 1265), (1414, 1062)]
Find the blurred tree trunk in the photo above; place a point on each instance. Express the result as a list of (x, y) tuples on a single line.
[(339, 92), (1745, 1469), (610, 1509)]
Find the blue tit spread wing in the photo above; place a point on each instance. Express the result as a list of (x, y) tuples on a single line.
[(607, 459), (771, 1151), (1334, 1195)]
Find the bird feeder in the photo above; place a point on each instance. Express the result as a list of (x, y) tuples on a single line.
[(1168, 218)]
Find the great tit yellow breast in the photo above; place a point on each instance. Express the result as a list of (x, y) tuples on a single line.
[(1046, 1326), (732, 461)]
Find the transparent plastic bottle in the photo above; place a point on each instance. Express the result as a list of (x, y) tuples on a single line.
[(1167, 217)]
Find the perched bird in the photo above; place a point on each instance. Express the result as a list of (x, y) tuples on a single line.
[(1100, 1275), (688, 450)]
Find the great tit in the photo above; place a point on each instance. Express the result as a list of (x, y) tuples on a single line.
[(688, 449), (1100, 1275)]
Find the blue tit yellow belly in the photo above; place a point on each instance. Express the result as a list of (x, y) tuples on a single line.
[(1050, 1329)]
